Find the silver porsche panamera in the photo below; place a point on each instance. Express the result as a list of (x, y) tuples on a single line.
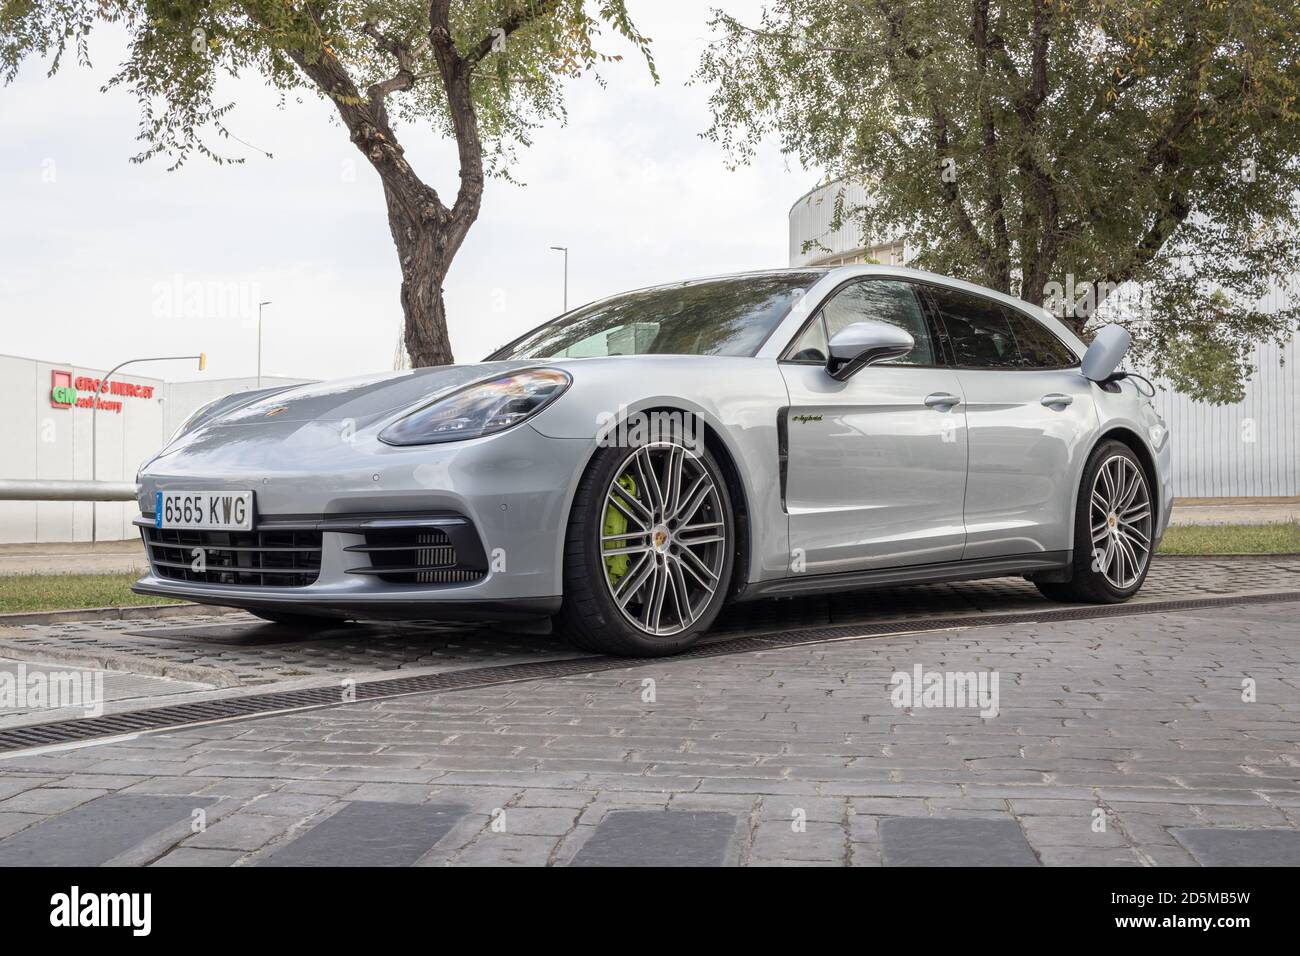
[(633, 465)]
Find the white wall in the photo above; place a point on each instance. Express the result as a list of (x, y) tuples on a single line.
[(40, 441)]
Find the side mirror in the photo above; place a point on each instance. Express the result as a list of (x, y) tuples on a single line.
[(1105, 353), (856, 346)]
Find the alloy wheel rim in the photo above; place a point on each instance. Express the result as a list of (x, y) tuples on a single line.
[(1120, 522), (664, 564)]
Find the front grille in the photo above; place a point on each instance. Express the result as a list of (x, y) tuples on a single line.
[(266, 558), (415, 556)]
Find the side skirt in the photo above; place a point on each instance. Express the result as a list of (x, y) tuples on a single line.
[(1005, 566)]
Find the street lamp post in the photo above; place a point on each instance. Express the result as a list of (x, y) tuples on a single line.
[(100, 387), (565, 250), (259, 341)]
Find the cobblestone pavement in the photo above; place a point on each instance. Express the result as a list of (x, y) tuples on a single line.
[(1119, 741), (231, 650)]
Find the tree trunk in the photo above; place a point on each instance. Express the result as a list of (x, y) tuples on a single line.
[(424, 263), (423, 307)]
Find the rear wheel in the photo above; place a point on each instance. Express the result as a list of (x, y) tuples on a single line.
[(649, 550), (1113, 530)]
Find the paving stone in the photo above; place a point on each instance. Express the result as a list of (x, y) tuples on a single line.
[(816, 841), (240, 831), (369, 833), (297, 805), (13, 822), (1088, 856), (540, 821), (192, 856), (933, 841), (1228, 846), (653, 838), (48, 800), (96, 832), (11, 785), (507, 849)]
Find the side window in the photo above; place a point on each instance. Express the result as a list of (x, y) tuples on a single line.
[(882, 300), (979, 330), (1039, 348), (811, 346)]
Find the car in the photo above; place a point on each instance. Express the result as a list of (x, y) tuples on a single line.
[(635, 464)]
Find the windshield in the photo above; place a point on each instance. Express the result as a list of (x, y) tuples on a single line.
[(731, 316)]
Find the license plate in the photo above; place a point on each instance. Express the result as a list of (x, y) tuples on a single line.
[(218, 510)]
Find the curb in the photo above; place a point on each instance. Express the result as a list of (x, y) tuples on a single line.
[(216, 677), (1233, 556), (129, 613)]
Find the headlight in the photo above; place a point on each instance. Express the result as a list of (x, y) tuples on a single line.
[(480, 409)]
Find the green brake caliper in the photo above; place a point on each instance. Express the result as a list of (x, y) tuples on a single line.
[(616, 523)]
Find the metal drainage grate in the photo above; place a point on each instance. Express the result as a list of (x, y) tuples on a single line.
[(177, 716)]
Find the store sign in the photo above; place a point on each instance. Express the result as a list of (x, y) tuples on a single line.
[(65, 391), (62, 394)]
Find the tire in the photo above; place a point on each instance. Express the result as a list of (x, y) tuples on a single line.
[(617, 488), (300, 621), (1112, 546)]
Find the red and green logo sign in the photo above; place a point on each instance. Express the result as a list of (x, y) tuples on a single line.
[(62, 394)]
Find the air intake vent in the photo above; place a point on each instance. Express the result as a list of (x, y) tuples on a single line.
[(415, 556), (268, 558)]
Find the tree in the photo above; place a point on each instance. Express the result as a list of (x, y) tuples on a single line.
[(485, 72), (1058, 150)]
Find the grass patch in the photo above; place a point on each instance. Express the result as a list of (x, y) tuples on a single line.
[(60, 592), (1276, 538)]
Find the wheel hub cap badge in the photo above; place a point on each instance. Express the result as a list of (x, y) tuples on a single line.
[(660, 538)]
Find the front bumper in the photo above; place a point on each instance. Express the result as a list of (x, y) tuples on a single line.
[(510, 494)]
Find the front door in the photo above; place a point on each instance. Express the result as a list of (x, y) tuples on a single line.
[(875, 466)]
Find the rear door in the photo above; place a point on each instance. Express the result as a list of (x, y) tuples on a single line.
[(1029, 415), (876, 465)]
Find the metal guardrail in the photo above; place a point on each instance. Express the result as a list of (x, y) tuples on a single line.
[(37, 489)]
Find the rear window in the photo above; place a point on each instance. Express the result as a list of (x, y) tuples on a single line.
[(986, 334)]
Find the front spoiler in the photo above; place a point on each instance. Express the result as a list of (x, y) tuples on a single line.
[(389, 606)]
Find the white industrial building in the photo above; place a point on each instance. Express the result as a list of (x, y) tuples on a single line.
[(1250, 449), (45, 433)]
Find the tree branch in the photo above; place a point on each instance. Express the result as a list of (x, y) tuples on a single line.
[(940, 125), (508, 26)]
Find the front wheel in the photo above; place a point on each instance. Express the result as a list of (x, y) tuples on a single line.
[(649, 551), (1114, 527)]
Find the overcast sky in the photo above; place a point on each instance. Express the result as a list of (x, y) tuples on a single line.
[(104, 259)]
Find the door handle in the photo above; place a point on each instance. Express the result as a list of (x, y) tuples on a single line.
[(1056, 398), (940, 399)]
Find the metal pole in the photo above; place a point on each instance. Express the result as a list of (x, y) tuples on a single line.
[(565, 250), (259, 342), (94, 419)]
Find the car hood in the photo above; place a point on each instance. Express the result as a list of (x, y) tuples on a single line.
[(361, 399)]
